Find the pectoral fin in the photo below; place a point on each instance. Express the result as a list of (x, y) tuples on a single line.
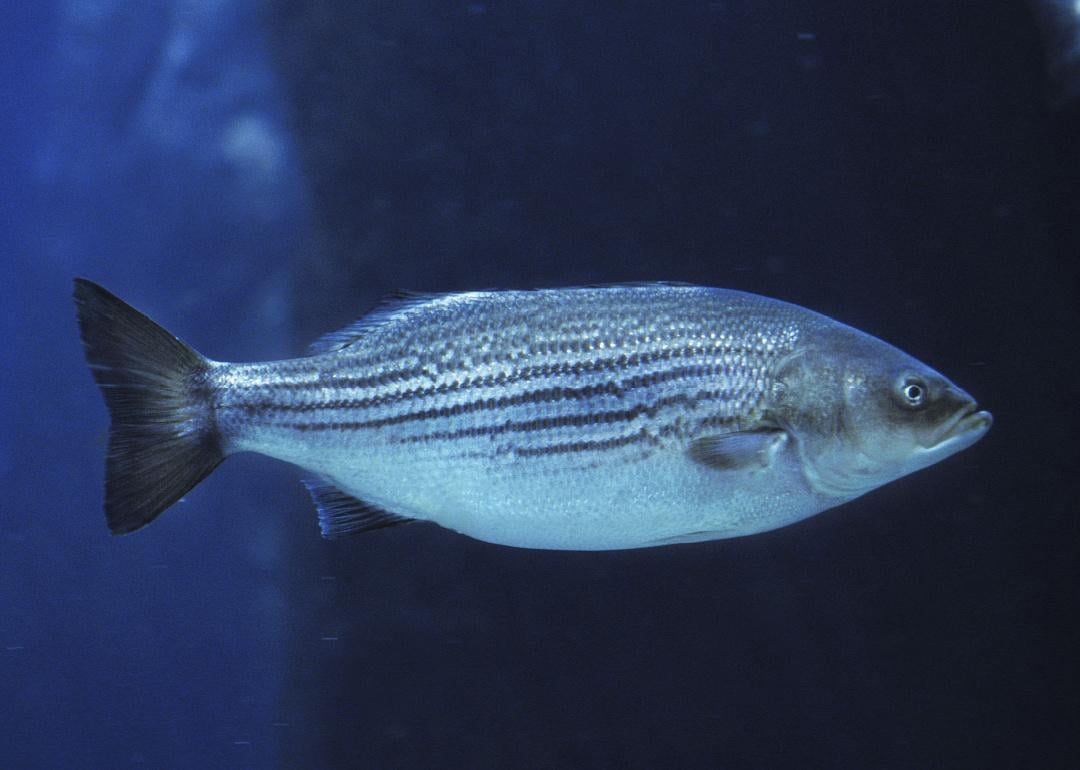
[(743, 450)]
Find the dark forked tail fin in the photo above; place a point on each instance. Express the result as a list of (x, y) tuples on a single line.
[(162, 440)]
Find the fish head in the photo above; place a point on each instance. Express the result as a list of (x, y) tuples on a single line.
[(864, 413)]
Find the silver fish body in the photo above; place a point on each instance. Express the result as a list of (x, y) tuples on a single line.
[(584, 418)]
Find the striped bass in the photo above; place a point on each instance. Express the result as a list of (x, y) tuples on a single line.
[(581, 418)]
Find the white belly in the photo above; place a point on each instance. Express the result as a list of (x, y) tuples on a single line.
[(663, 498)]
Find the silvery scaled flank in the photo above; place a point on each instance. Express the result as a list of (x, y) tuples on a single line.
[(584, 418)]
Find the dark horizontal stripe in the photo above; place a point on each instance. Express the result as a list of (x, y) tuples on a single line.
[(594, 445), (721, 421), (589, 445), (525, 374), (350, 381), (502, 378), (564, 346), (543, 395), (616, 388), (536, 396), (579, 420)]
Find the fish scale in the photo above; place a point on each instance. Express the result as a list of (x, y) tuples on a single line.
[(581, 418), (443, 408), (594, 357)]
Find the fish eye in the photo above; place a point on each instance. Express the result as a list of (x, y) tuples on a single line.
[(913, 392)]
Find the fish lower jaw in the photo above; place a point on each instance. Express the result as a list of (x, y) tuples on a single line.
[(962, 433)]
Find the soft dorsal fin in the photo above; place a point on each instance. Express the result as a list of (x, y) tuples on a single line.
[(389, 309), (342, 514), (741, 450)]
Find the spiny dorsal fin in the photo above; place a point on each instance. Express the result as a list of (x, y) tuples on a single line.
[(742, 450), (342, 514)]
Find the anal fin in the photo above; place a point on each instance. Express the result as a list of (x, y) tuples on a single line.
[(342, 514)]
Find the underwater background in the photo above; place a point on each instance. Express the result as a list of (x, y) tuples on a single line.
[(254, 174)]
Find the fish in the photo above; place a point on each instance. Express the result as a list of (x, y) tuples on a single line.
[(584, 418)]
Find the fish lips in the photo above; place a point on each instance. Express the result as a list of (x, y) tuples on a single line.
[(964, 428)]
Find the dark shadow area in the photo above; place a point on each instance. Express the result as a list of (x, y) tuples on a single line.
[(896, 166), (253, 175)]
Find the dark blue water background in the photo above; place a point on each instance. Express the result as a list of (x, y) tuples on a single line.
[(254, 174)]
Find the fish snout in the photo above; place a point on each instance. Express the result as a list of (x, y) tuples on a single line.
[(965, 423)]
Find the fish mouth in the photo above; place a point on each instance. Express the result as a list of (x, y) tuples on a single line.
[(965, 427)]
